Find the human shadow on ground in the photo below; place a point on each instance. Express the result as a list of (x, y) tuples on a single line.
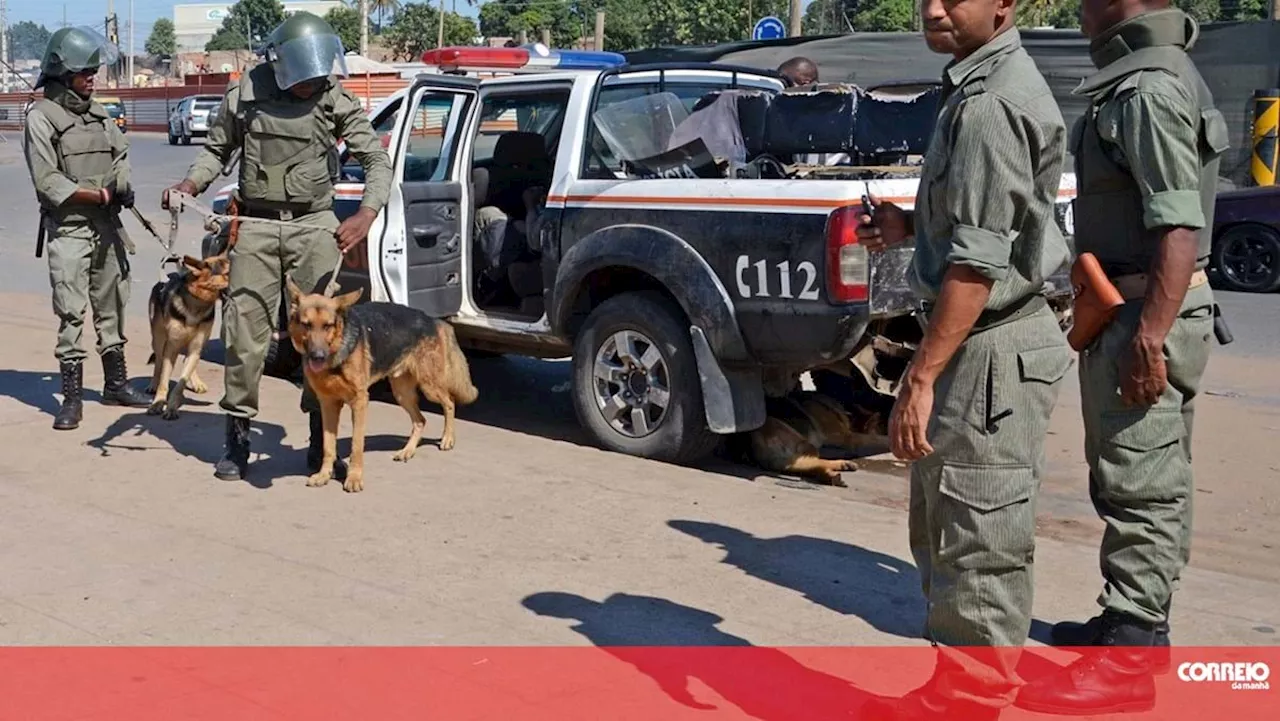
[(765, 683), (42, 390), (880, 589)]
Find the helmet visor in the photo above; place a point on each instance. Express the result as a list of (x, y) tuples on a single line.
[(306, 58), (85, 49)]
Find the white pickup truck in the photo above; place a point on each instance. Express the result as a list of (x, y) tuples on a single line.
[(683, 283)]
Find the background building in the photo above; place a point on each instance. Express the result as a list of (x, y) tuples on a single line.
[(195, 23)]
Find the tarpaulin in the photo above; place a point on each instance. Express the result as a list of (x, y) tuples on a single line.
[(1235, 59)]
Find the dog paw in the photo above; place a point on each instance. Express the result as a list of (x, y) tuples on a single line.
[(446, 444), (156, 408), (849, 466), (404, 454), (354, 482), (170, 414), (197, 386), (319, 479)]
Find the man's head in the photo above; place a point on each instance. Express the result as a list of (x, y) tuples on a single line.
[(799, 71), (1099, 16), (74, 55), (303, 52), (959, 27)]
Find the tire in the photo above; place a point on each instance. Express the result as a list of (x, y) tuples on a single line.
[(679, 433), (1247, 258), (173, 139), (186, 139)]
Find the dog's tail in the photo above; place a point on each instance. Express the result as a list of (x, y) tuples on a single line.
[(459, 371)]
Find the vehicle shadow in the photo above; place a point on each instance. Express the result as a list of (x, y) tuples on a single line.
[(880, 589), (764, 683)]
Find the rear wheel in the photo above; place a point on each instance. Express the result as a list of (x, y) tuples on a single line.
[(1247, 257), (173, 139), (635, 380)]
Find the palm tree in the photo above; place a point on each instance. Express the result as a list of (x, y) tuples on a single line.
[(382, 6)]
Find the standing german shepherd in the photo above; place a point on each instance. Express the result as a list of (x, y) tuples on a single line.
[(346, 348), (182, 312)]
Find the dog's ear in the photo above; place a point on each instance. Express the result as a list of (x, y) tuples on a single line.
[(295, 293), (194, 263), (346, 300)]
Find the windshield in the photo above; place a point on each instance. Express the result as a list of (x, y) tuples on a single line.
[(210, 104), (115, 110)]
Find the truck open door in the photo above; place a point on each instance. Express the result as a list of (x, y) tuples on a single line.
[(429, 213)]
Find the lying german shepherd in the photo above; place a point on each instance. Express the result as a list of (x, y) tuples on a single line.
[(796, 428), (182, 312), (346, 348)]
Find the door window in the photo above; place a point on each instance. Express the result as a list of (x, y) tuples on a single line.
[(540, 111), (432, 136)]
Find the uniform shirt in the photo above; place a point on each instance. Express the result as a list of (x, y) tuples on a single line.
[(351, 124), (991, 175), (53, 186)]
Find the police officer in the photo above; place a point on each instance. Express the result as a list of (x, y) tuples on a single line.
[(79, 165), (973, 409), (1147, 151), (285, 115)]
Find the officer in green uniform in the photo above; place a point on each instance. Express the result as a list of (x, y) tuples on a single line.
[(973, 410), (285, 115), (79, 165), (1147, 151)]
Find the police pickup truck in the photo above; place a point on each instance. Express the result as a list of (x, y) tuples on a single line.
[(684, 265)]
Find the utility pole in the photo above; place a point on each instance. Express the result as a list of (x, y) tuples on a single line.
[(599, 30), (546, 37), (4, 44), (131, 29), (1275, 9), (797, 12), (364, 28), (111, 23), (440, 29)]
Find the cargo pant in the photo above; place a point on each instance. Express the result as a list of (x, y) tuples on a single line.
[(264, 254), (972, 514), (88, 268), (1140, 458)]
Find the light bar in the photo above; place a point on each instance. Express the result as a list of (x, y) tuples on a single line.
[(534, 57)]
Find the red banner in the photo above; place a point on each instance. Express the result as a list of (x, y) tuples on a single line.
[(552, 683)]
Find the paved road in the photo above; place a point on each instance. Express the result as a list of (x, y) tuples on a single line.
[(117, 532)]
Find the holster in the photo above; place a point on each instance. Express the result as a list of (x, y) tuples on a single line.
[(42, 232), (1095, 304)]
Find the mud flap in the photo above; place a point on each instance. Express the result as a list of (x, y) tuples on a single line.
[(733, 399)]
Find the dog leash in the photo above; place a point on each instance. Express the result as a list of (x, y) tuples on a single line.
[(214, 222)]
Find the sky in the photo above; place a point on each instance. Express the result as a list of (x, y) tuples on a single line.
[(146, 12)]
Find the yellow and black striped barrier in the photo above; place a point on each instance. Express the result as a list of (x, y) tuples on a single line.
[(1266, 139)]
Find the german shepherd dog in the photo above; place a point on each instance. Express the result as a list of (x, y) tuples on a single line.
[(796, 428), (182, 312), (346, 348)]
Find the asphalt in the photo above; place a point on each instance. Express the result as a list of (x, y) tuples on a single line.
[(524, 534)]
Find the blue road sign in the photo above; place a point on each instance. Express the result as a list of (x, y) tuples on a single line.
[(768, 28)]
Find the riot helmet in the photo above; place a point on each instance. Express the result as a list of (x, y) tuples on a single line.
[(74, 49), (302, 48)]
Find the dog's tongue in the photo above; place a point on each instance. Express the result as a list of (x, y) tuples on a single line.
[(315, 366)]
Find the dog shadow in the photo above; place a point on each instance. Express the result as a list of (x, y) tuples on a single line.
[(880, 589), (764, 683), (200, 436)]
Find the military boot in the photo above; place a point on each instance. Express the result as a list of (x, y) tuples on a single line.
[(1116, 678), (72, 411), (116, 391), (235, 459), (315, 449), (1089, 633)]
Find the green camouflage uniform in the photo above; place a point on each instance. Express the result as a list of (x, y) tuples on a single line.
[(986, 201), (286, 143), (1147, 154)]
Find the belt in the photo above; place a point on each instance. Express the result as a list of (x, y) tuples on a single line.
[(1016, 310), (1134, 285), (272, 213)]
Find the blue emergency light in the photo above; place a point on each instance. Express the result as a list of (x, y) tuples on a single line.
[(534, 57)]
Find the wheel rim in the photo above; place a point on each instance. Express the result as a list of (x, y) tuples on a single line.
[(632, 385), (1248, 259)]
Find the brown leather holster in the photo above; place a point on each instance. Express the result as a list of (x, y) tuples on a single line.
[(1097, 300)]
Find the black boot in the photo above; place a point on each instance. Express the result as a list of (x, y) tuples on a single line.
[(72, 410), (315, 449), (235, 460), (1089, 633), (1116, 678), (116, 391)]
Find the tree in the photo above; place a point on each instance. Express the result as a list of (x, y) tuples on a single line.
[(508, 17), (382, 6), (346, 22), (27, 41), (416, 27), (162, 40), (258, 16), (885, 16)]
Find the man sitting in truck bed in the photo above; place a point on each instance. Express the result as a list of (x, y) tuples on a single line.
[(509, 198)]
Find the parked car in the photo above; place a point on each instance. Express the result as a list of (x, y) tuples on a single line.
[(1246, 240), (115, 108), (190, 118)]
